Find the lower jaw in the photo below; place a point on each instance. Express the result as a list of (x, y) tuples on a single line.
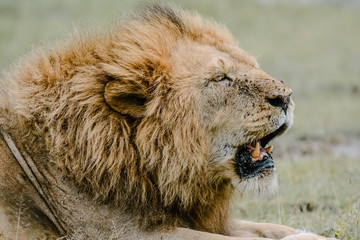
[(246, 168), (263, 169)]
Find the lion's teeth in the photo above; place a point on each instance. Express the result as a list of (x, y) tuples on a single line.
[(269, 149), (256, 152)]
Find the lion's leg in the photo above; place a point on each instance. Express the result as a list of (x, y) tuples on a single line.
[(189, 234), (240, 228)]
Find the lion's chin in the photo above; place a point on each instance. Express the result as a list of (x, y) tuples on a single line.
[(262, 184)]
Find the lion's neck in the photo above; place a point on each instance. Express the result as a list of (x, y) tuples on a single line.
[(215, 216)]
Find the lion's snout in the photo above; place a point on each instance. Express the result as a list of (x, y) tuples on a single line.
[(281, 101)]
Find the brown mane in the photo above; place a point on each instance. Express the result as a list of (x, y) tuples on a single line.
[(151, 166)]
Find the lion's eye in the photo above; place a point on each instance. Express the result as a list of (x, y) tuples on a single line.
[(223, 81)]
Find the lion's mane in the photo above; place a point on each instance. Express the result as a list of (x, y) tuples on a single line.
[(154, 168)]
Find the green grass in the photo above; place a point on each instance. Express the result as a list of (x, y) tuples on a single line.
[(314, 48), (320, 194)]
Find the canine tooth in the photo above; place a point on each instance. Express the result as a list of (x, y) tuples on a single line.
[(269, 149), (256, 152)]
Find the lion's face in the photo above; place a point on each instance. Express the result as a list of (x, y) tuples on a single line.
[(241, 107)]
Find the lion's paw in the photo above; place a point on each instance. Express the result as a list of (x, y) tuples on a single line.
[(303, 235)]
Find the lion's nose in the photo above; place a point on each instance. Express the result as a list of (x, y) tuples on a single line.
[(281, 101)]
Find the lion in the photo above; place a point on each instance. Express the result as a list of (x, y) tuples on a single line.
[(141, 132)]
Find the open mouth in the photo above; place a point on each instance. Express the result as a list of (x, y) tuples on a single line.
[(255, 157)]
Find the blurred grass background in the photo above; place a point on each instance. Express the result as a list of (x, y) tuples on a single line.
[(313, 46)]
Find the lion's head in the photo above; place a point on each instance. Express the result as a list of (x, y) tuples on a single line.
[(165, 115), (211, 97)]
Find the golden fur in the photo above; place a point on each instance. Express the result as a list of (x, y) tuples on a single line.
[(135, 118)]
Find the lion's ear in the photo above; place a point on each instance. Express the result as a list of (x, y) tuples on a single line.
[(126, 97)]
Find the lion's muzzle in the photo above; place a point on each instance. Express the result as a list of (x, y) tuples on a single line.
[(254, 158)]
